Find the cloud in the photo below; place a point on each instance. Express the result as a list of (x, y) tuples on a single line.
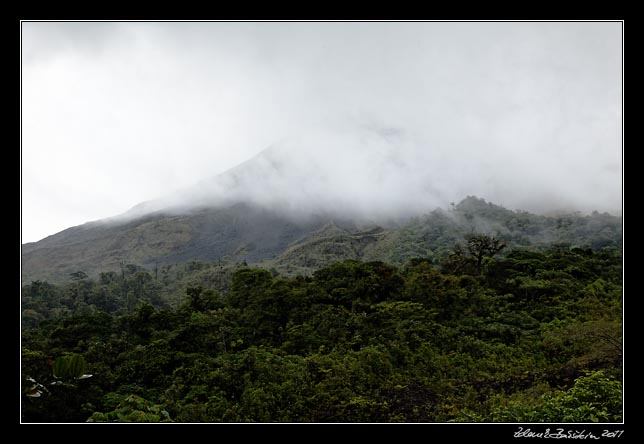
[(376, 117)]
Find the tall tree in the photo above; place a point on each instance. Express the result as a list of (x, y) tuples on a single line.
[(480, 246)]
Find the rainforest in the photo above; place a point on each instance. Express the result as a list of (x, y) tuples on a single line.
[(489, 332)]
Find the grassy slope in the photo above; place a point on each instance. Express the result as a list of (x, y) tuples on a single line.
[(237, 233)]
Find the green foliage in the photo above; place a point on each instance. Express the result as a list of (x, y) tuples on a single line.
[(132, 408), (470, 259), (201, 299), (61, 394), (594, 397), (534, 337), (71, 366)]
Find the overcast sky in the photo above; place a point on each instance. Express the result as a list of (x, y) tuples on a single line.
[(527, 115)]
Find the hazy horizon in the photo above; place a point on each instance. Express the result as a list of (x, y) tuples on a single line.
[(376, 118)]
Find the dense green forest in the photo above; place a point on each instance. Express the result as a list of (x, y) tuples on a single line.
[(485, 333)]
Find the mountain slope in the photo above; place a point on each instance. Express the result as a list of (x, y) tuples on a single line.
[(328, 245), (271, 239), (434, 236), (238, 232)]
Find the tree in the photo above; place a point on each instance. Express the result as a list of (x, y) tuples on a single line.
[(354, 342), (248, 285), (132, 408), (79, 289), (480, 246), (354, 283), (469, 260), (201, 299), (594, 397)]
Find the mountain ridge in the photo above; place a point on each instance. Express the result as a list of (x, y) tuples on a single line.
[(255, 235)]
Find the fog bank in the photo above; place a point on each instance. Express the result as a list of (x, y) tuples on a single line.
[(373, 118)]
